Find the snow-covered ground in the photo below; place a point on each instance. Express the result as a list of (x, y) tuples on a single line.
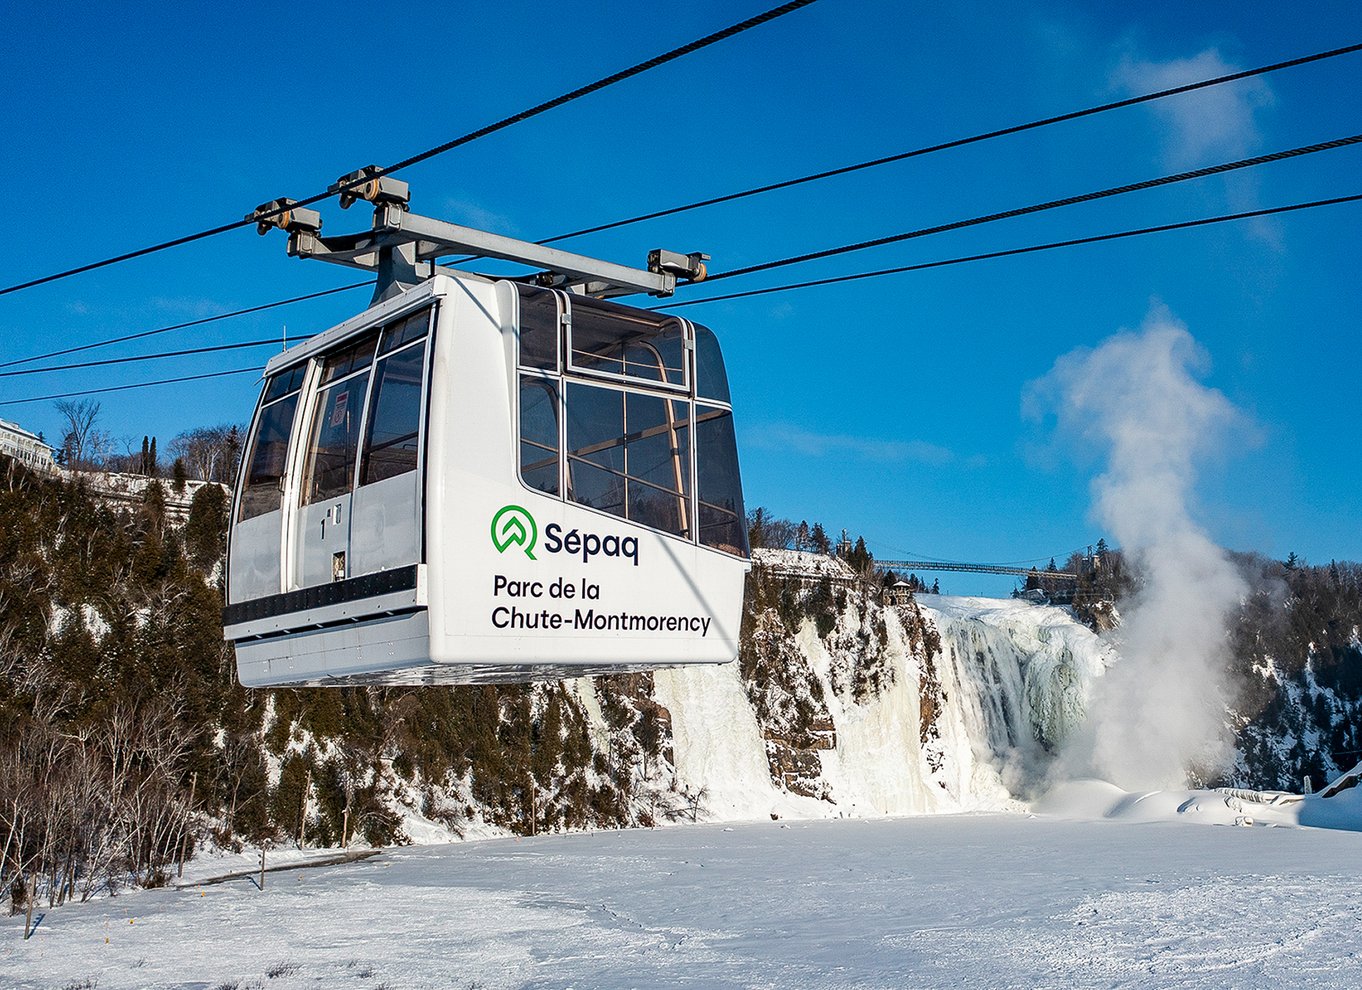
[(1137, 899), (1094, 887)]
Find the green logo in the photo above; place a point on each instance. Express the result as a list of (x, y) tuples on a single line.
[(514, 526)]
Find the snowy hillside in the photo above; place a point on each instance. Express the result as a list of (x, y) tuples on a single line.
[(846, 701)]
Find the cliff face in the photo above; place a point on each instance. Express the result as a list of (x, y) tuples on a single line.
[(840, 704), (1297, 668), (844, 704)]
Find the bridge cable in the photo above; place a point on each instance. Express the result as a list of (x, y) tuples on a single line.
[(440, 149)]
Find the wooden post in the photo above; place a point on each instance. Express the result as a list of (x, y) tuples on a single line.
[(188, 810), (262, 866), (534, 806), (32, 895), (302, 813)]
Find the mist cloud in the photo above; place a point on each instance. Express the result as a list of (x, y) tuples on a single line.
[(1138, 398), (1208, 125)]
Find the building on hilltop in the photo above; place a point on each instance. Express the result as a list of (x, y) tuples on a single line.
[(898, 592), (26, 448)]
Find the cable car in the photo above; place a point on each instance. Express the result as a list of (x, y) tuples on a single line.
[(481, 479)]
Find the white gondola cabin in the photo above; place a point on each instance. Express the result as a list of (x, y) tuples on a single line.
[(484, 480)]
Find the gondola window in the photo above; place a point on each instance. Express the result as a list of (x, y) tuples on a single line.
[(392, 442), (615, 426), (269, 447), (339, 406)]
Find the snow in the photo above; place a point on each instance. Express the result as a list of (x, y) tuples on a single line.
[(878, 766), (718, 745), (1090, 886), (1343, 811), (964, 901), (1089, 799), (802, 563)]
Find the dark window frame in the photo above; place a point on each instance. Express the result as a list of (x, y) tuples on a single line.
[(574, 307), (376, 338)]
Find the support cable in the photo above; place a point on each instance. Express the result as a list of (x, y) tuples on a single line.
[(183, 326), (1053, 204), (1183, 225), (1031, 249), (964, 141), (440, 149), (147, 357), (254, 370)]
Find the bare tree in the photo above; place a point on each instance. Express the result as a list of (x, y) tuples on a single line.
[(92, 805), (687, 803), (209, 453), (83, 444)]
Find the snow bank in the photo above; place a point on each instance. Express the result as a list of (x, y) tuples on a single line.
[(1343, 811), (1087, 800)]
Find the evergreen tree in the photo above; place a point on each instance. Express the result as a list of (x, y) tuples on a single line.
[(818, 539), (860, 558), (756, 527), (204, 533)]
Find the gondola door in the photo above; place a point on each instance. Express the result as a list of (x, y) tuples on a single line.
[(386, 508), (321, 534)]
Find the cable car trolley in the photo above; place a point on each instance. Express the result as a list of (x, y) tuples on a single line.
[(483, 479)]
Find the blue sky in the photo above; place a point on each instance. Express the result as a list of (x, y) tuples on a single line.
[(891, 407)]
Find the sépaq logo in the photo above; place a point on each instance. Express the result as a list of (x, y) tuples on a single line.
[(513, 526)]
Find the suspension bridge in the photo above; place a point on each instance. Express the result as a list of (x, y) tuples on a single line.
[(966, 568)]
